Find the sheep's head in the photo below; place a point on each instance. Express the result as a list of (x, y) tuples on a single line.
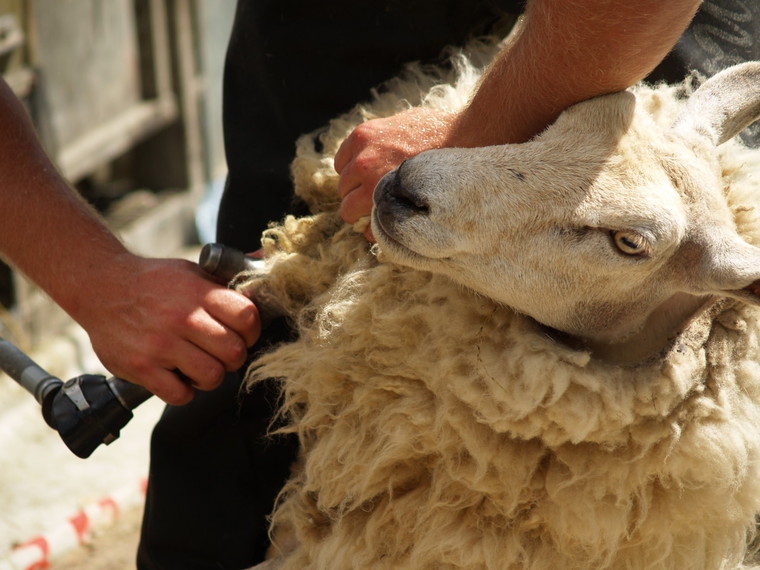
[(593, 225)]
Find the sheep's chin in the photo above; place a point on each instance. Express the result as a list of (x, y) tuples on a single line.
[(396, 251)]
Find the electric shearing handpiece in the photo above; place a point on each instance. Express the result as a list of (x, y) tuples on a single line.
[(91, 409)]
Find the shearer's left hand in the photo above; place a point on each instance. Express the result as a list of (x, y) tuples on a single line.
[(378, 146)]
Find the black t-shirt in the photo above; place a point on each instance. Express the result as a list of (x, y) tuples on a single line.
[(292, 65)]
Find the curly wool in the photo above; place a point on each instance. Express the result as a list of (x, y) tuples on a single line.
[(439, 429)]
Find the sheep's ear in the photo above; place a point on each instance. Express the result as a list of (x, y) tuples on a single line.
[(730, 268), (724, 105)]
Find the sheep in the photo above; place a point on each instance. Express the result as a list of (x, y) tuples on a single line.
[(550, 358)]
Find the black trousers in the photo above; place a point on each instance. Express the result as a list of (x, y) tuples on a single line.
[(291, 66), (214, 475)]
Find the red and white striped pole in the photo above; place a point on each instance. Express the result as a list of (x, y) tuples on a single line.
[(40, 551)]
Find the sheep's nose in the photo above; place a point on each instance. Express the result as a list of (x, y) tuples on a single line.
[(394, 194)]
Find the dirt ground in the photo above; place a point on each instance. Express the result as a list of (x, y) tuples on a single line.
[(113, 548)]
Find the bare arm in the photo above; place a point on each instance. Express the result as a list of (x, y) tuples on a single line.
[(567, 51), (145, 317)]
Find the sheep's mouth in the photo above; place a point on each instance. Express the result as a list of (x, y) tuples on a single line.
[(386, 215), (402, 224), (388, 239)]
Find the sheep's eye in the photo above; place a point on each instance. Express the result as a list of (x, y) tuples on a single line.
[(630, 242)]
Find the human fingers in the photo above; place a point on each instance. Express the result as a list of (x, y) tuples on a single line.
[(366, 154), (162, 315), (197, 367), (219, 322), (207, 331), (365, 171), (169, 387), (212, 315), (342, 157), (174, 378), (350, 146), (195, 370), (174, 367), (153, 374), (356, 204), (236, 312)]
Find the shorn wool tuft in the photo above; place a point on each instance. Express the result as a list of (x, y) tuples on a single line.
[(440, 429)]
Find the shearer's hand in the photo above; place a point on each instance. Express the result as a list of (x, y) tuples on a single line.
[(378, 146), (163, 315)]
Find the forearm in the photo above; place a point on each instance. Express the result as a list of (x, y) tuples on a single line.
[(567, 51), (47, 230)]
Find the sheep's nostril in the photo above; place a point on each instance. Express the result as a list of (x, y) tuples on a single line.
[(407, 198)]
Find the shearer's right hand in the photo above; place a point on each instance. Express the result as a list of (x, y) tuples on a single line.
[(155, 317), (378, 146)]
